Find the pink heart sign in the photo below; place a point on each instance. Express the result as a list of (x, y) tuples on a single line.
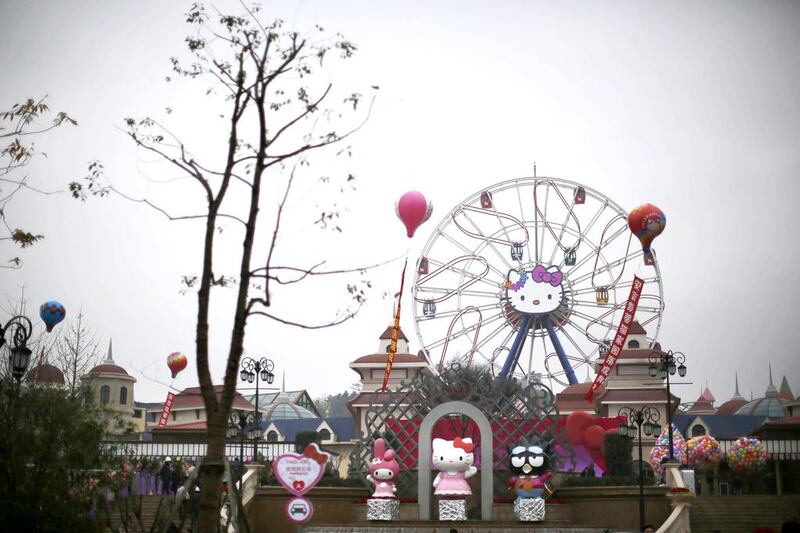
[(297, 473)]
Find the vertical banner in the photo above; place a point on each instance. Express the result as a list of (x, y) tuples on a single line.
[(395, 331), (619, 338), (165, 412)]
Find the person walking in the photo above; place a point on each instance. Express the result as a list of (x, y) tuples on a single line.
[(166, 475)]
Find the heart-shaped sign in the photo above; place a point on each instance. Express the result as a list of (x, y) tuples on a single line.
[(297, 473)]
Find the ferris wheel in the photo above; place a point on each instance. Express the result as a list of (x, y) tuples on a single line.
[(530, 277)]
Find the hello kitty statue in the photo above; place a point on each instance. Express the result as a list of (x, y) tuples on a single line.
[(535, 292), (383, 471), (453, 459)]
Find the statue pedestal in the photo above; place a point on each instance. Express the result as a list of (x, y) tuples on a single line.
[(529, 509), (383, 509), (455, 510)]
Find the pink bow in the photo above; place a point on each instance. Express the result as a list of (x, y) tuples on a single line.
[(541, 275)]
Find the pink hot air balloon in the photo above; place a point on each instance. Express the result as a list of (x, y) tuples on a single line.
[(413, 210)]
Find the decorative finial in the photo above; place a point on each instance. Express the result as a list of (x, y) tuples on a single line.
[(737, 384), (109, 356), (283, 382)]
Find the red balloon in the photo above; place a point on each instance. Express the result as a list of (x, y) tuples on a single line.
[(576, 423), (176, 362), (413, 210), (594, 437), (647, 222)]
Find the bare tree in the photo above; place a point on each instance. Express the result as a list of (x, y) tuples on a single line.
[(277, 115), (18, 126), (76, 351)]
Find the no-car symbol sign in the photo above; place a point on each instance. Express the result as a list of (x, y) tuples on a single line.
[(299, 510)]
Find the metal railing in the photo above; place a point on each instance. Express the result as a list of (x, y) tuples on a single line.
[(190, 450)]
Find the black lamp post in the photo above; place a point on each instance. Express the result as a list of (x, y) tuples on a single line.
[(243, 425), (20, 356), (260, 370), (665, 365), (638, 420)]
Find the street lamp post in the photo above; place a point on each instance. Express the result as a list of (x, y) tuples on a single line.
[(637, 420), (20, 328), (260, 370), (243, 424), (665, 365)]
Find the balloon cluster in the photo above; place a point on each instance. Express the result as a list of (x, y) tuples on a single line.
[(661, 449), (703, 452), (747, 456)]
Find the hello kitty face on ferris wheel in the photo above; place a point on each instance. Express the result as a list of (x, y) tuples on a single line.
[(536, 291)]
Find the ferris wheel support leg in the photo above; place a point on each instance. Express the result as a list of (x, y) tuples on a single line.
[(516, 348), (562, 357)]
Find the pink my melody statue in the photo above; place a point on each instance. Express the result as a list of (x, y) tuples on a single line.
[(383, 472)]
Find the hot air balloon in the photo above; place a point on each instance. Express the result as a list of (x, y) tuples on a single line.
[(647, 222), (413, 210), (176, 362), (52, 313)]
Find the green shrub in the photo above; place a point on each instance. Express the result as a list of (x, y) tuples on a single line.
[(618, 456)]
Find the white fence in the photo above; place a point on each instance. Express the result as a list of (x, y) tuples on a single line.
[(193, 450), (776, 449)]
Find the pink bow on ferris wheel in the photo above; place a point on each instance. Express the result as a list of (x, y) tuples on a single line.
[(541, 275)]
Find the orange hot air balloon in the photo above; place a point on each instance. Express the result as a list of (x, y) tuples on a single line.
[(647, 222), (176, 362)]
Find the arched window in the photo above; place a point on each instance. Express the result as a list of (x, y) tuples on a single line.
[(123, 395), (324, 434), (633, 344), (698, 430), (105, 394), (272, 436)]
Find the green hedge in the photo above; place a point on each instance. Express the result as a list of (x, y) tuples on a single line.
[(618, 456)]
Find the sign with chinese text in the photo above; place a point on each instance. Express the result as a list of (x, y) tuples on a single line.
[(166, 410), (628, 313), (299, 473)]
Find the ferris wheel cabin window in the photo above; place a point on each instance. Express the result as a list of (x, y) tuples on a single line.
[(105, 394)]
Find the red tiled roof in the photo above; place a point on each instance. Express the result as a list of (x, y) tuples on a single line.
[(639, 353), (191, 398), (701, 406), (636, 329), (795, 420), (369, 398), (187, 426), (382, 357), (574, 405), (108, 368), (45, 373), (637, 396), (387, 335), (731, 406)]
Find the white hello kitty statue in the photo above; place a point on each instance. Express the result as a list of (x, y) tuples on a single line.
[(453, 459), (534, 292)]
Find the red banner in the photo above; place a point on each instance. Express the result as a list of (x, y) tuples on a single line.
[(619, 339), (395, 331), (166, 410)]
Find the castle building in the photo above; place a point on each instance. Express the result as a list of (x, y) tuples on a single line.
[(371, 369), (112, 389)]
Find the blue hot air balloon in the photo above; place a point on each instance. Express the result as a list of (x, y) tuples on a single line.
[(52, 313)]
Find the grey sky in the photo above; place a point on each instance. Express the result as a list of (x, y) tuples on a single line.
[(692, 106)]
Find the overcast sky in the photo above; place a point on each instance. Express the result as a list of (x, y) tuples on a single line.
[(692, 106)]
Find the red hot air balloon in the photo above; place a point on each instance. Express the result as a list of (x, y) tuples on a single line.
[(647, 222), (413, 210), (176, 362)]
